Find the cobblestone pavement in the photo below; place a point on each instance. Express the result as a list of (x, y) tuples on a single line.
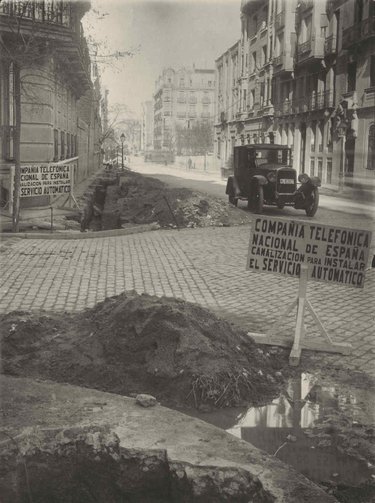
[(206, 266)]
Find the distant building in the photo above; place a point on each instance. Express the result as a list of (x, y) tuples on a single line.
[(60, 119), (303, 75), (181, 98), (147, 126)]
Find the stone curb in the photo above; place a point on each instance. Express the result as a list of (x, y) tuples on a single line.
[(81, 235)]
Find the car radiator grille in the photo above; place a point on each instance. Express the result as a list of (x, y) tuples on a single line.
[(286, 182)]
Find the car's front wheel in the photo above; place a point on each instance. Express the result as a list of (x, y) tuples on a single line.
[(256, 200), (313, 204)]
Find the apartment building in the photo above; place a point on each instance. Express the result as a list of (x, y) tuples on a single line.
[(181, 97), (147, 126), (43, 46), (309, 84)]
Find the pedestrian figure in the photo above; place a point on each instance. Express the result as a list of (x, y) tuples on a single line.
[(189, 164)]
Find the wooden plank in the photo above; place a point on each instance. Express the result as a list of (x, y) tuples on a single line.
[(299, 334), (322, 330)]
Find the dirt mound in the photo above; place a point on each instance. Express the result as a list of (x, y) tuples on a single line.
[(177, 351), (144, 200)]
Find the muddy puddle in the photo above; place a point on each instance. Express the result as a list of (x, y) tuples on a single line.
[(314, 428)]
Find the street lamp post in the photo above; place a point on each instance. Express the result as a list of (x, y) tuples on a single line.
[(122, 137)]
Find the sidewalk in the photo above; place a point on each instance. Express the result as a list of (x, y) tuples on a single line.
[(205, 266)]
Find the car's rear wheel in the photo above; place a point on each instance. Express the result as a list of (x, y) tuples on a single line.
[(256, 200), (280, 205), (232, 200), (312, 208)]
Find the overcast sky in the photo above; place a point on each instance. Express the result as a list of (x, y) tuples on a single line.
[(164, 33)]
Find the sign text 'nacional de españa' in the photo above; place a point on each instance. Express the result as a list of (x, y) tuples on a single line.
[(333, 254), (45, 179)]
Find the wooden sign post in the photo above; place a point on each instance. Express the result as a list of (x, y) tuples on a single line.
[(312, 251)]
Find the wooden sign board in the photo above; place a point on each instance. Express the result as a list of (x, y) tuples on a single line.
[(307, 251), (333, 254), (46, 179)]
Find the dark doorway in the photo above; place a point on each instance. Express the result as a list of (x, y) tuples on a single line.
[(349, 156)]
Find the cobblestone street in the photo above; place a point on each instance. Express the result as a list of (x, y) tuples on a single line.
[(205, 266)]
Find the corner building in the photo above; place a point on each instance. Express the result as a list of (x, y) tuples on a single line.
[(181, 97), (60, 94), (304, 77)]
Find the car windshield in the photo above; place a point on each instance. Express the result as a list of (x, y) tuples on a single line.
[(270, 156)]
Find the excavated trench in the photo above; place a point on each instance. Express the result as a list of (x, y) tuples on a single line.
[(78, 466)]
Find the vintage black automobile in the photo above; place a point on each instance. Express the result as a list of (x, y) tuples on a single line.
[(263, 175)]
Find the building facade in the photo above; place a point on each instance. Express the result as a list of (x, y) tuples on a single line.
[(305, 78), (182, 97), (147, 126), (59, 102)]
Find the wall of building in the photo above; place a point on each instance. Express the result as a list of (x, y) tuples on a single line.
[(182, 97), (50, 102), (314, 102)]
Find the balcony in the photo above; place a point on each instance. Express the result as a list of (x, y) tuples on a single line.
[(267, 109), (283, 63), (330, 44), (305, 4), (315, 101), (58, 23), (304, 49), (249, 6), (280, 20), (358, 33), (312, 49)]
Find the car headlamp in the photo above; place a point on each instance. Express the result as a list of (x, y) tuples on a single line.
[(303, 178), (271, 177)]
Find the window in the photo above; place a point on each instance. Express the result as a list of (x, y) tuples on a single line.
[(254, 56), (321, 135), (329, 170), (244, 100), (312, 167), (372, 71), (352, 76), (262, 88), (313, 136), (62, 145), (252, 99), (210, 83), (55, 145), (320, 168), (264, 55), (371, 148)]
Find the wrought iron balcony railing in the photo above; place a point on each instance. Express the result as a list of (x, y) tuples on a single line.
[(303, 48), (314, 101), (330, 45), (57, 12), (358, 32), (48, 15), (280, 20)]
